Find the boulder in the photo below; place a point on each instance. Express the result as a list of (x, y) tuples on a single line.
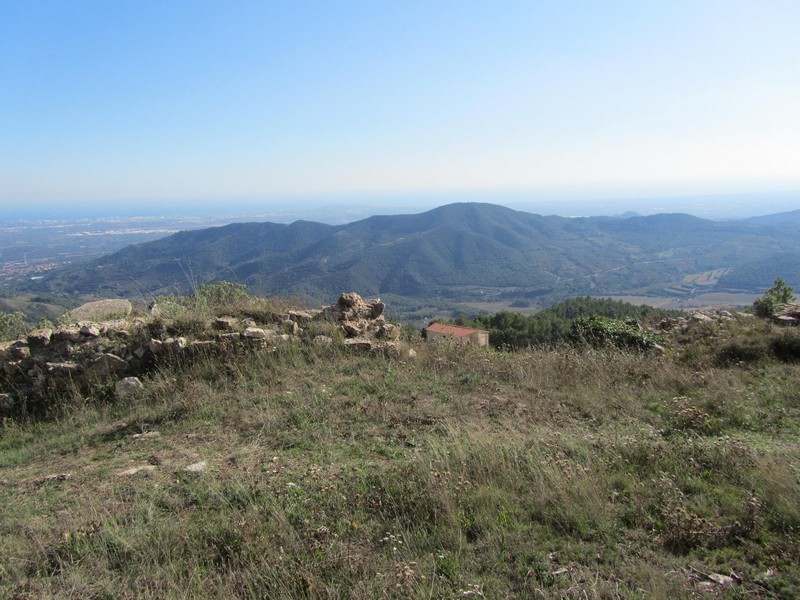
[(63, 349), (14, 350), (388, 331), (175, 345), (254, 333), (229, 337), (302, 317), (257, 338), (128, 387), (197, 467), (145, 469), (225, 323), (786, 320), (228, 341), (90, 330), (290, 327), (351, 329), (202, 348), (39, 338), (106, 364), (352, 307), (67, 334), (377, 308), (391, 349), (115, 330), (702, 318), (361, 344), (788, 314), (102, 310), (351, 300)]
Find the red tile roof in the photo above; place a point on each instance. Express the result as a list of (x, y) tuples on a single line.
[(454, 330)]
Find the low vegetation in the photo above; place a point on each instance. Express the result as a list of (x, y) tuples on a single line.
[(594, 320), (586, 471), (12, 325), (778, 294)]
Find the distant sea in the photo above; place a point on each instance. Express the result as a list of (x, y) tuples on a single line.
[(341, 209)]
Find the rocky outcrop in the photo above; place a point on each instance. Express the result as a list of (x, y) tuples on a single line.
[(359, 318), (79, 354), (102, 310), (682, 323), (787, 314)]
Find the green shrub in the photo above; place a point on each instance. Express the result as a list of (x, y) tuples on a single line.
[(786, 347), (552, 326), (12, 325), (221, 293), (778, 294), (746, 349), (603, 331)]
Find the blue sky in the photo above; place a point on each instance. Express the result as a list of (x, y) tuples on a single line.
[(156, 103)]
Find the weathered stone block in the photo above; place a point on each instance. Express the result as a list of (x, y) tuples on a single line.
[(63, 349), (63, 369), (290, 327), (128, 387), (323, 340), (106, 364), (303, 317), (362, 344), (254, 333), (225, 323), (90, 330), (351, 329), (39, 338), (67, 334), (15, 351)]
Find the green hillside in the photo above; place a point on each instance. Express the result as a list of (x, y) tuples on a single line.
[(459, 251)]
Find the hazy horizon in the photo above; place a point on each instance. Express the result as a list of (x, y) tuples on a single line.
[(343, 209), (127, 107)]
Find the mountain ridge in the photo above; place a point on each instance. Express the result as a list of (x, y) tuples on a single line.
[(457, 251)]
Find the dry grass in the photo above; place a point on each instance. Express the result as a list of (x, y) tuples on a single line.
[(462, 473)]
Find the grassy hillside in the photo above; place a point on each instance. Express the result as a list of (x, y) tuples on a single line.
[(461, 472), (460, 251)]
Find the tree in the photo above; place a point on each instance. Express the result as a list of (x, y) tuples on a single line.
[(12, 325), (778, 294)]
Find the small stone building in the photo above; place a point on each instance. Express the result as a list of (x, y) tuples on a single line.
[(437, 331)]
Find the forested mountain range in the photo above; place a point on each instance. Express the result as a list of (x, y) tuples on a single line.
[(458, 251)]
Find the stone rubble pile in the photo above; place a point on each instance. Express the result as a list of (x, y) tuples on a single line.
[(361, 320), (682, 323), (70, 357)]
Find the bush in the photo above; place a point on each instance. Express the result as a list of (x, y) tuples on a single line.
[(745, 349), (12, 325), (786, 347), (603, 331), (778, 294), (221, 293)]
